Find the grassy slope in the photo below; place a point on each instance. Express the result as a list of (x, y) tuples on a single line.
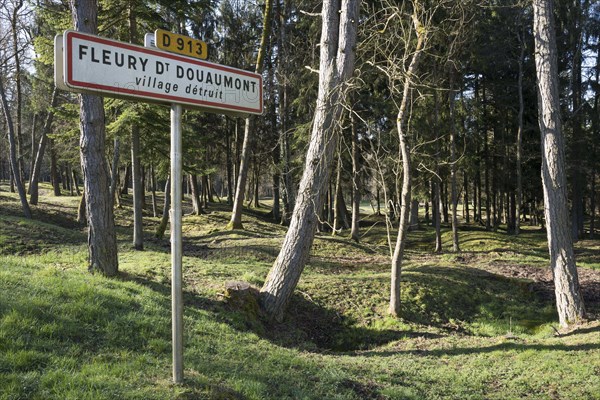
[(67, 334)]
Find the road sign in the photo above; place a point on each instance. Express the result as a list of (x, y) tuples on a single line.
[(180, 44), (88, 63), (118, 69)]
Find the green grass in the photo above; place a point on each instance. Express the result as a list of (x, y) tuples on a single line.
[(466, 331)]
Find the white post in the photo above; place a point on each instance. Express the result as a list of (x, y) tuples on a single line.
[(176, 250)]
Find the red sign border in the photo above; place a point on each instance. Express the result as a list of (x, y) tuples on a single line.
[(163, 98)]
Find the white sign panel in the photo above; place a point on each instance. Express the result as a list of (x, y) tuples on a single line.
[(118, 69)]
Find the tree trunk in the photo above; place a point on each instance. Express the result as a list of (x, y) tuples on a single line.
[(256, 185), (74, 182), (210, 189), (81, 212), (414, 215), (444, 194), (102, 242), (13, 152), (69, 179), (401, 119), (125, 184), (339, 222), (486, 155), (162, 227), (54, 169), (136, 168), (436, 182), (276, 211), (236, 215), (596, 131), (138, 190), (466, 198), (593, 205), (205, 191), (18, 126), (229, 168), (289, 191), (34, 123), (569, 301), (153, 189), (519, 171), (114, 176), (354, 232), (453, 161), (64, 178), (37, 165), (338, 37), (576, 144), (196, 203)]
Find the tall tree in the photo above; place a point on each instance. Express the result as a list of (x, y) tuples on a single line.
[(37, 166), (102, 243), (236, 215), (569, 301), (12, 139), (403, 136), (338, 38), (136, 167)]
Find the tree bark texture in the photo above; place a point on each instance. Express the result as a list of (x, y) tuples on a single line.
[(102, 242), (338, 38), (569, 301)]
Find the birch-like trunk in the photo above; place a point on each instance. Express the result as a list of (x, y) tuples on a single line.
[(569, 301), (405, 195), (338, 39)]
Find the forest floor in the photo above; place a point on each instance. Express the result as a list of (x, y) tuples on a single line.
[(479, 324)]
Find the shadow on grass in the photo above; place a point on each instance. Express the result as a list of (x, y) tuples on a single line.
[(509, 346), (346, 242), (588, 255), (311, 327), (189, 298), (449, 299), (583, 330), (22, 236), (446, 297)]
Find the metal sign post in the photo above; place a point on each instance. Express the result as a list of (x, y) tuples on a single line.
[(85, 63), (176, 247)]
